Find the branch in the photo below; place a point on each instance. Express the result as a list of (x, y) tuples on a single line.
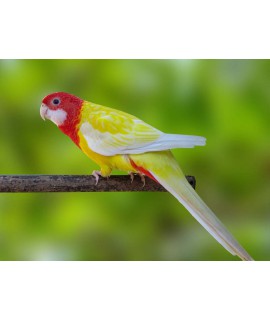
[(78, 183)]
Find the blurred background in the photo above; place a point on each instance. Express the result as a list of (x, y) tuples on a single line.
[(227, 101)]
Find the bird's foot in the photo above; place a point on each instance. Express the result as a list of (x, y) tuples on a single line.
[(131, 176), (96, 174), (142, 178)]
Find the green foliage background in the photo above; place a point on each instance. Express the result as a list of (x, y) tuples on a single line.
[(226, 101)]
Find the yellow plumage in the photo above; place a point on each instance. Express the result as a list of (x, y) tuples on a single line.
[(117, 140)]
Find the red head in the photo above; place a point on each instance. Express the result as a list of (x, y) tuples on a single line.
[(64, 110)]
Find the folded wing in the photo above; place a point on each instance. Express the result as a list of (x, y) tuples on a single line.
[(110, 132)]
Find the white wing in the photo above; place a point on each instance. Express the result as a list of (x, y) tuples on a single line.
[(110, 132)]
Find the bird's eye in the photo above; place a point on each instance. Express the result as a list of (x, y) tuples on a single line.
[(56, 101)]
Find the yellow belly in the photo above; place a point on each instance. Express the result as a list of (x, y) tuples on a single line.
[(106, 163)]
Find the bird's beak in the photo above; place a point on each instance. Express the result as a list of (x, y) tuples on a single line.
[(43, 111)]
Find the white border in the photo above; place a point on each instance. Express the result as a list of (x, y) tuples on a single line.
[(141, 29), (138, 290)]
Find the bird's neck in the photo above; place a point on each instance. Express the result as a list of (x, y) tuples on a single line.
[(70, 126)]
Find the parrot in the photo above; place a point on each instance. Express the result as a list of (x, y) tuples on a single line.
[(117, 140)]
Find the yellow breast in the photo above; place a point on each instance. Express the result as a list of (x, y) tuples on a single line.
[(106, 163)]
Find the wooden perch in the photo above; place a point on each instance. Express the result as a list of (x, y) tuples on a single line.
[(78, 183)]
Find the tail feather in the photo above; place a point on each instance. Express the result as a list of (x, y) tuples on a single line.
[(185, 194), (172, 141), (168, 141)]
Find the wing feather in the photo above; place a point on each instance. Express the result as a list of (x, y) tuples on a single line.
[(110, 132)]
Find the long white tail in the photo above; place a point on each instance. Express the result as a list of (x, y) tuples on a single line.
[(184, 193)]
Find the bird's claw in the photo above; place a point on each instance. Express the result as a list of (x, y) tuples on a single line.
[(142, 178), (96, 174), (131, 176)]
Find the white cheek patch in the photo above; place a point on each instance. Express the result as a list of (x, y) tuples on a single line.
[(57, 116)]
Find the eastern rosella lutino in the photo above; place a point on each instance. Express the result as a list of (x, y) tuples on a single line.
[(117, 140)]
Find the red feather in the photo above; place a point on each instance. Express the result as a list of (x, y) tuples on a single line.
[(72, 105), (142, 170)]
